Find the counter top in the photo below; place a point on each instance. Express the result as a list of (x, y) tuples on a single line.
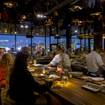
[(75, 94)]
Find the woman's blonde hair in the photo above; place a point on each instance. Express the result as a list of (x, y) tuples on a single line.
[(7, 59)]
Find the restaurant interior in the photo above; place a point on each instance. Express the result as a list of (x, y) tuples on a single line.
[(37, 28)]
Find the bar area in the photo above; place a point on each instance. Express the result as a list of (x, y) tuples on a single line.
[(52, 52)]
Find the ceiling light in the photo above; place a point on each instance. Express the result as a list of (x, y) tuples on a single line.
[(57, 35), (103, 37), (9, 4), (15, 32), (26, 26), (95, 14), (21, 26), (41, 16), (76, 31), (24, 17), (5, 31), (77, 7), (80, 22)]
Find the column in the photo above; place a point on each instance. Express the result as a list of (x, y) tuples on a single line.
[(15, 38), (98, 41), (50, 34), (68, 38), (45, 40), (89, 46)]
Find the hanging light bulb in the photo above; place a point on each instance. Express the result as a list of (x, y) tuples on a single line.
[(10, 4), (26, 26), (5, 31), (24, 17), (21, 26)]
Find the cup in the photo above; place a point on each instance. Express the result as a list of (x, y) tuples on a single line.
[(70, 74)]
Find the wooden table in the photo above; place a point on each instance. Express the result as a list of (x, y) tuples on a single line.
[(76, 95)]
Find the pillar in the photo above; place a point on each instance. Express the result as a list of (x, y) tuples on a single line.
[(98, 41)]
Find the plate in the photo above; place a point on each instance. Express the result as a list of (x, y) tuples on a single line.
[(97, 78), (77, 73), (37, 65), (53, 76)]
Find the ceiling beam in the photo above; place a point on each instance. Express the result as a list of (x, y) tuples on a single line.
[(62, 4)]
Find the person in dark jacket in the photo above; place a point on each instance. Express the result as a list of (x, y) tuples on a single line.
[(21, 83)]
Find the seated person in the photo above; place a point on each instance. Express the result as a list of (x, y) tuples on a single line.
[(94, 63), (21, 83), (61, 58)]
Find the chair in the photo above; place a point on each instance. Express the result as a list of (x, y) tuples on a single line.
[(5, 99)]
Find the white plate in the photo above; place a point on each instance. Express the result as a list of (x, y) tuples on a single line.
[(54, 76), (37, 65), (97, 78)]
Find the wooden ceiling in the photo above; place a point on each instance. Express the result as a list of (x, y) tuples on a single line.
[(63, 12), (30, 9)]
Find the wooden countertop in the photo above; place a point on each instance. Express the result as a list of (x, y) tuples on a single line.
[(79, 96)]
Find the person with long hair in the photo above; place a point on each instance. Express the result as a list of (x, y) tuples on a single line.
[(5, 64), (22, 85)]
